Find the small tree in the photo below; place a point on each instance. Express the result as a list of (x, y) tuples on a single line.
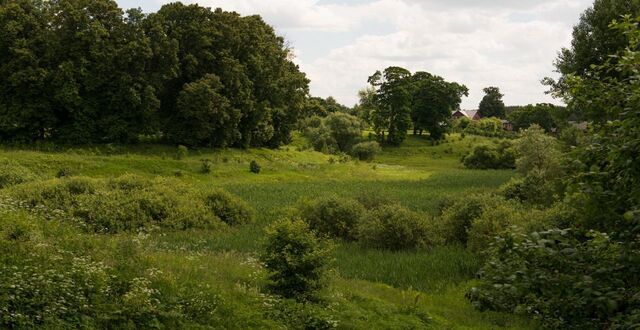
[(296, 259), (345, 129), (538, 152)]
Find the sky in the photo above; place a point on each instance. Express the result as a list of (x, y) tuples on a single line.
[(511, 44)]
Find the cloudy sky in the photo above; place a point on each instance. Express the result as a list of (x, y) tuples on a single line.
[(339, 43)]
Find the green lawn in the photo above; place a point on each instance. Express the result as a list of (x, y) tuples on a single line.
[(369, 288)]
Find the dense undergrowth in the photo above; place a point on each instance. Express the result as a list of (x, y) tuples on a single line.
[(135, 238)]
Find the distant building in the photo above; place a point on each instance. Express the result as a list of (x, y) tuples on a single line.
[(507, 125), (471, 114)]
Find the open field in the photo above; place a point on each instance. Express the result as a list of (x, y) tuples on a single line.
[(369, 288)]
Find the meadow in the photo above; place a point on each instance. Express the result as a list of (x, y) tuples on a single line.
[(367, 288)]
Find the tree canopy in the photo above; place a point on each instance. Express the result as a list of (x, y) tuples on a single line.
[(492, 104), (84, 71), (399, 99)]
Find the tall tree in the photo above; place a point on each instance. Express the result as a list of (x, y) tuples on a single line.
[(492, 104), (592, 44), (25, 108), (433, 100), (393, 98)]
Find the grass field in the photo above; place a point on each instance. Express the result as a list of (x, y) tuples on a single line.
[(369, 288)]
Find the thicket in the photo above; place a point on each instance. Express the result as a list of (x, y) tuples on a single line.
[(490, 127), (491, 156), (84, 71), (130, 203), (337, 132), (582, 273), (366, 151)]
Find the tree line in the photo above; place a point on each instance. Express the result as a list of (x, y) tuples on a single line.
[(85, 71)]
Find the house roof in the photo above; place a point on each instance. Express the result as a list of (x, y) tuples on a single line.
[(468, 113)]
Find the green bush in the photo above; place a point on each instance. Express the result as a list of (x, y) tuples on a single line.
[(563, 278), (366, 151), (123, 204), (493, 221), (338, 132), (490, 127), (393, 227), (458, 215), (205, 166), (12, 174), (296, 259), (229, 208), (254, 167), (302, 315), (182, 152), (533, 189), (333, 216), (490, 157)]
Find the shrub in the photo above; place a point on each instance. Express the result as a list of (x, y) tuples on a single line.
[(344, 128), (12, 174), (492, 222), (533, 189), (458, 216), (229, 208), (373, 200), (338, 132), (124, 204), (295, 258), (254, 167), (333, 216), (490, 157), (393, 227), (182, 152), (565, 279), (366, 151), (539, 152), (205, 166), (302, 315), (491, 127), (65, 172)]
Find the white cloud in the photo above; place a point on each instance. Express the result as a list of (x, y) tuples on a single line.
[(505, 43)]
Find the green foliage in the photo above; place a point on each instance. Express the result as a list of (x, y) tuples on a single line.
[(366, 151), (333, 216), (82, 71), (12, 174), (592, 44), (433, 100), (124, 204), (547, 116), (203, 116), (338, 132), (537, 151), (492, 104), (303, 315), (205, 166), (254, 167), (484, 157), (535, 189), (490, 127), (182, 152), (229, 208), (456, 219), (393, 104), (560, 278), (296, 259), (584, 276), (393, 227)]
